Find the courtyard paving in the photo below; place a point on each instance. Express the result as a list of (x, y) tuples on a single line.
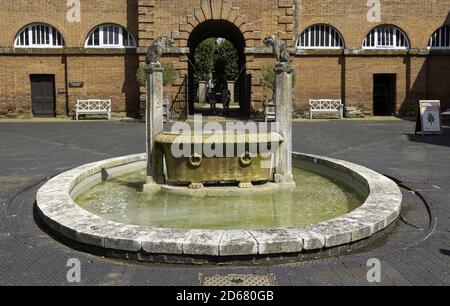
[(417, 252)]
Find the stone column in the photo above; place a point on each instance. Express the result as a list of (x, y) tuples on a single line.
[(154, 117), (283, 99), (230, 85)]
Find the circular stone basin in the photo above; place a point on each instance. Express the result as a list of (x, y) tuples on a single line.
[(336, 204), (315, 199)]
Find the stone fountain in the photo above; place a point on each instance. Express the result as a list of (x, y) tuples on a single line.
[(270, 165), (126, 207)]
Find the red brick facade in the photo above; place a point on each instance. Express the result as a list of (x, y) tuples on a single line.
[(346, 74)]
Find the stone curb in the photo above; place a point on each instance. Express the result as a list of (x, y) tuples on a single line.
[(59, 211)]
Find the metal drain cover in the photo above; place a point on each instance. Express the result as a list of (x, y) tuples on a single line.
[(238, 280)]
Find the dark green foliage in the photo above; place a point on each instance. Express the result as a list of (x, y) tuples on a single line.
[(169, 74), (227, 62), (268, 77), (217, 59)]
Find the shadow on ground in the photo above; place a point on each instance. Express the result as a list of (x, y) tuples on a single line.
[(433, 139), (445, 252)]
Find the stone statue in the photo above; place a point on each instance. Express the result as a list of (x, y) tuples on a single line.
[(156, 49), (279, 48)]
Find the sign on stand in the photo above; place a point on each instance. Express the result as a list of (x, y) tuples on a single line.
[(429, 118)]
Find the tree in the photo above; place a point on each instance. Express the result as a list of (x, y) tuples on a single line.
[(268, 79), (227, 62), (217, 59), (204, 60)]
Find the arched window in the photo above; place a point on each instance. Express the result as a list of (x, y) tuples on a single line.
[(440, 39), (320, 36), (39, 35), (386, 37), (110, 36)]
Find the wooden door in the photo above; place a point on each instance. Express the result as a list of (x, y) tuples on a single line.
[(43, 95)]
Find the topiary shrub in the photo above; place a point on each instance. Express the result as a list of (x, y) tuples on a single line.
[(169, 74), (268, 79)]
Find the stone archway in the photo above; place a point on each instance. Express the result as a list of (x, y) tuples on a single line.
[(217, 10), (219, 18), (228, 31)]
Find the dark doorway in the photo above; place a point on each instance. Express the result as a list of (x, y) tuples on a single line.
[(221, 30), (43, 95), (384, 94)]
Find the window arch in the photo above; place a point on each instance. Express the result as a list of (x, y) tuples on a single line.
[(110, 36), (386, 37), (39, 35), (440, 38), (320, 36)]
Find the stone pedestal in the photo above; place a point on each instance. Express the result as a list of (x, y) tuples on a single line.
[(230, 86), (154, 116), (283, 99), (201, 92)]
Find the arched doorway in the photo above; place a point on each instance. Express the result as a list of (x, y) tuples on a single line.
[(228, 31)]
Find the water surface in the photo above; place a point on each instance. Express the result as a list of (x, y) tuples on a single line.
[(315, 199)]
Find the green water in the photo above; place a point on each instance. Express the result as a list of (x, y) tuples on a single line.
[(315, 199)]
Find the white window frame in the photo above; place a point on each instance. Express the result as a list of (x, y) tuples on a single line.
[(441, 39), (33, 34), (321, 33), (108, 45), (386, 37)]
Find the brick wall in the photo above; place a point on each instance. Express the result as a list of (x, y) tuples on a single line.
[(438, 83), (15, 97), (111, 74), (15, 14), (106, 77), (255, 19), (106, 74), (329, 76), (418, 18)]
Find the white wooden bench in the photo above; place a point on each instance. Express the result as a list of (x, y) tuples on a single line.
[(326, 106), (94, 107)]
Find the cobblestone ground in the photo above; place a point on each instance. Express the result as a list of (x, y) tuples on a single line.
[(415, 253)]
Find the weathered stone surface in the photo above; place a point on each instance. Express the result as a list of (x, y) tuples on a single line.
[(124, 238), (87, 231), (311, 240), (164, 241), (71, 221), (389, 201), (358, 229), (154, 118), (334, 236), (235, 243), (283, 93), (370, 218), (199, 242), (388, 215), (277, 241)]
